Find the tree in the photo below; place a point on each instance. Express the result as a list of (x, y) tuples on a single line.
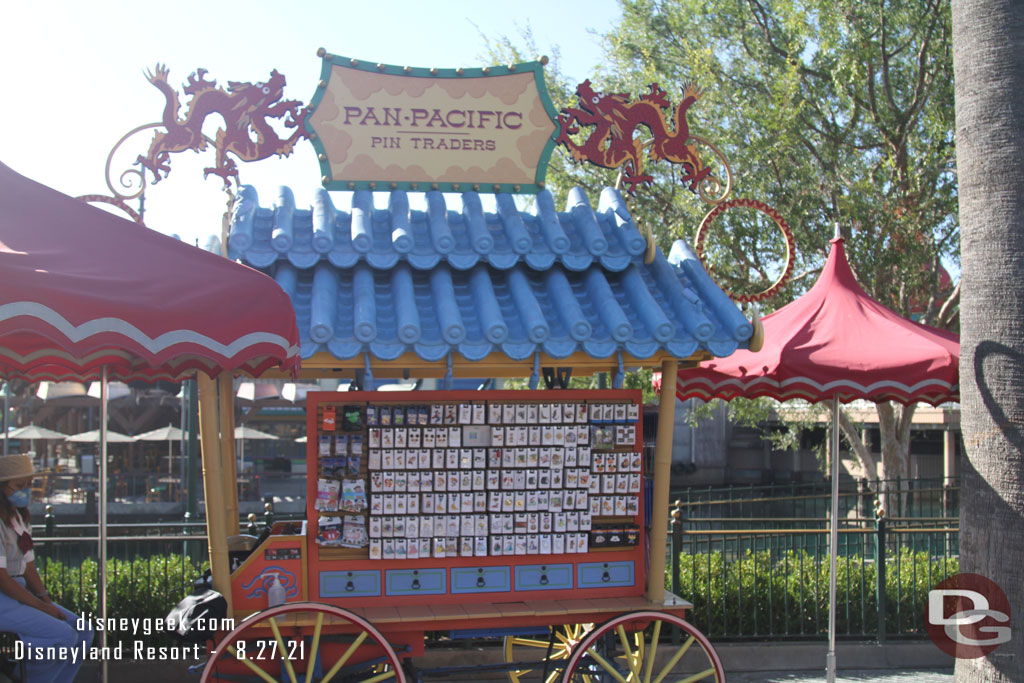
[(988, 46), (835, 112)]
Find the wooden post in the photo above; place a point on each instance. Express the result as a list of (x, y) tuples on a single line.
[(662, 473), (214, 486), (226, 385)]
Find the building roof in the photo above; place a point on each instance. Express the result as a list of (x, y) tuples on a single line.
[(435, 281)]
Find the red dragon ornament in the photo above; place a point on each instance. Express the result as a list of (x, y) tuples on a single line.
[(613, 142), (245, 108)]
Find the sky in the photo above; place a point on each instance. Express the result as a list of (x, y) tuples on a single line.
[(73, 78)]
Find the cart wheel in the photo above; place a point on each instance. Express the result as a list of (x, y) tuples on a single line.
[(636, 648), (523, 649), (304, 642)]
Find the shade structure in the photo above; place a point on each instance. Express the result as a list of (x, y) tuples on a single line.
[(168, 433), (88, 295), (244, 432), (93, 436), (33, 432), (835, 343), (84, 289)]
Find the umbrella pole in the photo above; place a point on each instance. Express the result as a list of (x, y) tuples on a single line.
[(833, 542), (102, 568)]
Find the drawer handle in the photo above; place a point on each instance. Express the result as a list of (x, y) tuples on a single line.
[(606, 577), (480, 583), (349, 587), (415, 584), (543, 579)]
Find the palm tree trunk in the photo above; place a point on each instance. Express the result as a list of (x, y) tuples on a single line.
[(988, 58)]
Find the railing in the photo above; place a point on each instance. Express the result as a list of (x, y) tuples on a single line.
[(158, 488), (769, 578), (905, 498)]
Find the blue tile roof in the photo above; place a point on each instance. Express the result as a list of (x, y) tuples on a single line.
[(434, 281)]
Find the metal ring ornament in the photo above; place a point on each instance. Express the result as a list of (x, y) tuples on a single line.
[(779, 221)]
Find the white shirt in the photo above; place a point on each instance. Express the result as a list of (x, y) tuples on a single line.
[(11, 557)]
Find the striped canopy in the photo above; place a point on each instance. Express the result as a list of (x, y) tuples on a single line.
[(84, 289), (835, 342)]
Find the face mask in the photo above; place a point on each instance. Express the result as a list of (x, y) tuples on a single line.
[(19, 498)]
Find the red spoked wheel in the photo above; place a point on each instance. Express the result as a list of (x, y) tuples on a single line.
[(637, 647), (304, 641)]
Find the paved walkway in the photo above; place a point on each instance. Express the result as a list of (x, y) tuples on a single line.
[(866, 676)]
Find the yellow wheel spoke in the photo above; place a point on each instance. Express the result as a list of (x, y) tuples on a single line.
[(649, 665), (605, 665), (255, 669), (283, 650), (628, 653), (314, 646), (675, 659), (344, 658), (381, 677), (640, 646), (696, 677), (529, 642)]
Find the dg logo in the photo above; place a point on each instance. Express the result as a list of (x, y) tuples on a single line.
[(968, 616)]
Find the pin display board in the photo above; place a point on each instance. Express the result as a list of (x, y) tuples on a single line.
[(506, 477)]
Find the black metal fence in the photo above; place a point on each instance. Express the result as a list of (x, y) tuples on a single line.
[(749, 576), (936, 497), (768, 577)]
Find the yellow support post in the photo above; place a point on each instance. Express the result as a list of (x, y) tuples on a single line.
[(662, 473), (225, 382), (214, 486)]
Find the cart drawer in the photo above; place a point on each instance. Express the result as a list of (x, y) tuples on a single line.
[(604, 574), (414, 581), (349, 584), (481, 580), (543, 577)]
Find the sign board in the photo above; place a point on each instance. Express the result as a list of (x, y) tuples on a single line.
[(386, 127)]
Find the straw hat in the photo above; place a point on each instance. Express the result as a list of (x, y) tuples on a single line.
[(16, 466)]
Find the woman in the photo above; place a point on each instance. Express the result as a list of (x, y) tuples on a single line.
[(25, 606)]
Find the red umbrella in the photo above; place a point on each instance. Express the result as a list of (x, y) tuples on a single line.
[(84, 289), (835, 343), (89, 295)]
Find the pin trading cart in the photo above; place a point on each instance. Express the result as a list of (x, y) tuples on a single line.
[(599, 615)]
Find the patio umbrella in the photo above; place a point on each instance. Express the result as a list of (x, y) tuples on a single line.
[(93, 436), (835, 343), (242, 433), (88, 295), (32, 432), (170, 434)]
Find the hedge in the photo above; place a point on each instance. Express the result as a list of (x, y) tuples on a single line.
[(761, 594), (143, 588)]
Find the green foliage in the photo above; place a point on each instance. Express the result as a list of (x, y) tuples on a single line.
[(833, 112), (144, 588), (635, 379), (761, 592)]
